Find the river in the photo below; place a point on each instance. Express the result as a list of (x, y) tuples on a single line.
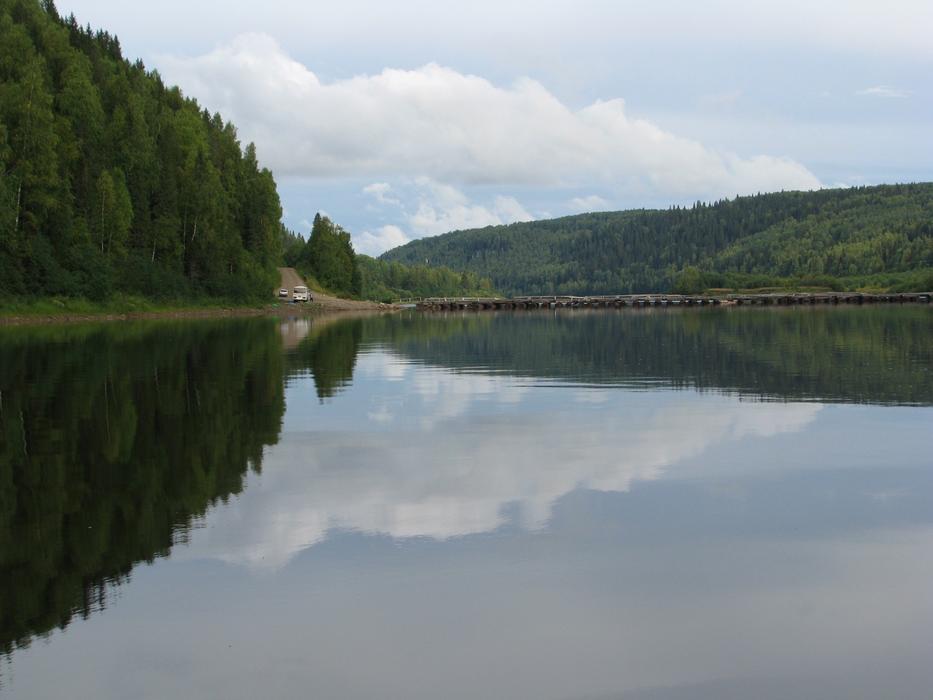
[(652, 504)]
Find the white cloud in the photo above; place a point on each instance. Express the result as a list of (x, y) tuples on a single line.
[(445, 208), (457, 128), (427, 207), (510, 211), (380, 191), (378, 241), (592, 202), (382, 365), (883, 91)]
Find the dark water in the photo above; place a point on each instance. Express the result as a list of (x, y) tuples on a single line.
[(638, 504)]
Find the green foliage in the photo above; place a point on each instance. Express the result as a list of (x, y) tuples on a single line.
[(105, 170), (780, 239), (388, 281), (920, 281), (292, 246), (329, 257), (689, 281), (116, 212)]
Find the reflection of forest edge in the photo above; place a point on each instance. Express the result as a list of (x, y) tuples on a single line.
[(113, 439), (860, 355)]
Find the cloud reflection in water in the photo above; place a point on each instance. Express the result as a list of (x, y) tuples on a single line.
[(450, 454)]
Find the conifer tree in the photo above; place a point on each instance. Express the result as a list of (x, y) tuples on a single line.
[(111, 180)]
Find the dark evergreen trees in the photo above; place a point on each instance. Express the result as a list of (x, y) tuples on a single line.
[(329, 257), (820, 235), (112, 181), (389, 281)]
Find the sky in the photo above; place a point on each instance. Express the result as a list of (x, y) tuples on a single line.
[(411, 118)]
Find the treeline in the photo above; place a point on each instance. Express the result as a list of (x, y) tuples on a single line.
[(388, 281), (847, 237), (112, 181), (329, 259)]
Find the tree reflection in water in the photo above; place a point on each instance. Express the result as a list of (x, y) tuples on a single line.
[(113, 439)]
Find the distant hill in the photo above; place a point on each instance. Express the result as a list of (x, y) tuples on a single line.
[(879, 235)]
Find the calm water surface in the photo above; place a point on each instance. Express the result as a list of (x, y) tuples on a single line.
[(636, 505)]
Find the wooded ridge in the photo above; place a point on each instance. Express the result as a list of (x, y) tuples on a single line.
[(879, 236)]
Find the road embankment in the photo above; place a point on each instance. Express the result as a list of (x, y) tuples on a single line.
[(48, 311)]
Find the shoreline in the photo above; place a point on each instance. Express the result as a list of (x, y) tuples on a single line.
[(327, 306)]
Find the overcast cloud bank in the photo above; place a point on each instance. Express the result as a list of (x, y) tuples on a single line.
[(452, 127), (445, 130)]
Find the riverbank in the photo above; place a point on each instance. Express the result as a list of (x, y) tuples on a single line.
[(63, 310)]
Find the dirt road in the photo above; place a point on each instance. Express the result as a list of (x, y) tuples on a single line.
[(289, 279)]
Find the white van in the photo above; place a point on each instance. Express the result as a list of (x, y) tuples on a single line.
[(301, 294)]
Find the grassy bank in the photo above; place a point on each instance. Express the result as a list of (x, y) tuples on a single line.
[(12, 307)]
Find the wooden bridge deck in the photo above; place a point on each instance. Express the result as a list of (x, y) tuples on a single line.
[(665, 300)]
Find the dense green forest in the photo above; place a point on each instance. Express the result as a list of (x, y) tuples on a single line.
[(389, 281), (879, 236), (328, 258), (111, 180)]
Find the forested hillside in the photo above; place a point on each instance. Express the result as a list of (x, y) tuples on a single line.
[(111, 180), (389, 281), (328, 258), (867, 235)]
